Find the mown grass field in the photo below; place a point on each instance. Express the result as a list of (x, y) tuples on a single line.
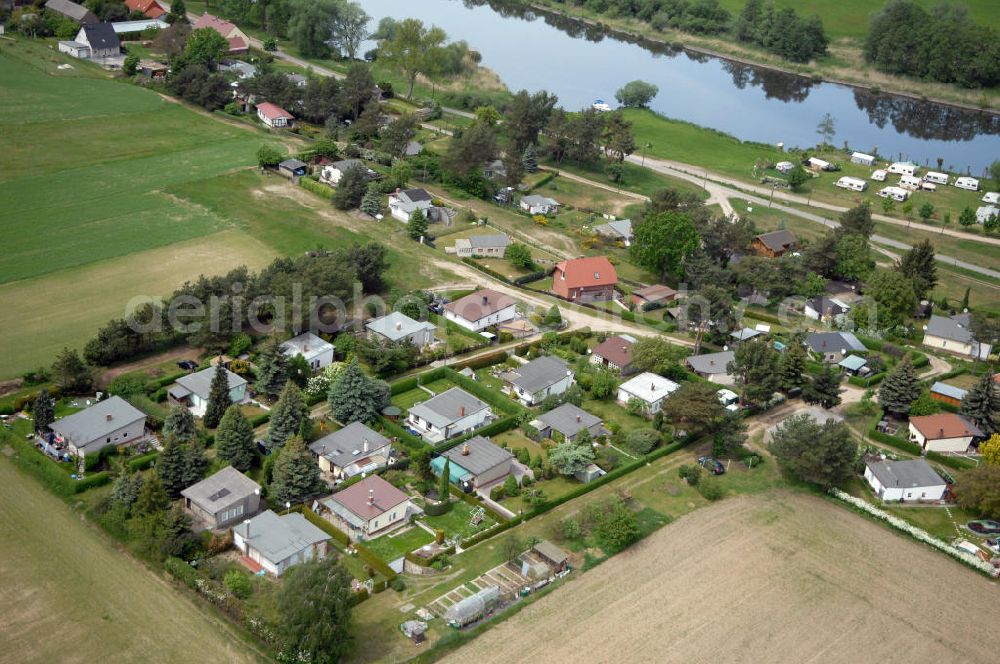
[(69, 596)]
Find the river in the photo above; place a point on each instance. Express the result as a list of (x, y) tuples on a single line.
[(581, 64)]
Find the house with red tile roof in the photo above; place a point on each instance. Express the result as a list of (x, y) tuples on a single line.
[(481, 309), (238, 41), (944, 432), (590, 279), (368, 508), (149, 8), (273, 115), (614, 353)]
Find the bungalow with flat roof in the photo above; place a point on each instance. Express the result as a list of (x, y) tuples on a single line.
[(834, 346), (483, 246), (948, 394), (293, 168), (647, 388), (713, 367), (619, 230), (744, 334), (397, 327), (855, 365), (543, 376), (535, 204), (614, 353), (954, 335), (317, 352), (648, 296), (222, 498), (481, 309), (350, 451), (904, 481), (944, 432), (113, 421), (590, 279), (568, 420), (403, 203), (774, 244), (370, 508), (193, 390), (476, 463), (451, 413), (275, 543)]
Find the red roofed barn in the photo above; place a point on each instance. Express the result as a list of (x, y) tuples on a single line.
[(585, 279)]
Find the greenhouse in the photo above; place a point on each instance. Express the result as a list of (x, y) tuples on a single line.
[(472, 608)]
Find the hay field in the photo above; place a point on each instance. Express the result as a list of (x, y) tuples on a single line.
[(778, 578)]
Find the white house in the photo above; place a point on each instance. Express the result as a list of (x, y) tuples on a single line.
[(954, 335), (862, 158), (331, 173), (369, 508), (904, 481), (483, 246), (397, 327), (402, 204), (713, 367), (278, 542), (834, 346), (317, 352), (274, 116), (944, 432), (531, 383), (903, 168), (535, 204), (193, 390), (451, 413), (825, 309), (481, 309), (113, 421), (352, 450), (101, 39), (970, 184), (648, 388)]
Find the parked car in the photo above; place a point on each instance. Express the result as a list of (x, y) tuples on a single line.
[(985, 527), (187, 365), (264, 447), (712, 465)]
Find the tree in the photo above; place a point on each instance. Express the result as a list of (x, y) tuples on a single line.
[(417, 226), (604, 385), (205, 46), (570, 458), (354, 397), (195, 462), (180, 424), (894, 294), (529, 160), (520, 256), (900, 388), (234, 440), (413, 49), (444, 495), (218, 397), (797, 177), (990, 450), (642, 441), (71, 374), (755, 366), (924, 404), (268, 156), (370, 265), (926, 211), (272, 369), (858, 220), (814, 452), (43, 410), (979, 490), (357, 91), (695, 407), (657, 355), (177, 13), (827, 128), (349, 27), (468, 152), (967, 217), (981, 404), (920, 266), (553, 317), (171, 467), (131, 64), (371, 203), (314, 604), (295, 476), (854, 260), (729, 434), (617, 528), (351, 188), (395, 137), (662, 242), (636, 94), (152, 496), (792, 366), (526, 116), (617, 138), (824, 389), (286, 416)]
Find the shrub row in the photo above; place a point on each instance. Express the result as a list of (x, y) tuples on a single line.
[(166, 381), (757, 314), (530, 277), (25, 400), (315, 187), (143, 462), (471, 262), (483, 361), (49, 473), (427, 562), (958, 463), (499, 426), (324, 525), (549, 177), (488, 395), (874, 379), (376, 563), (92, 461), (407, 439), (404, 385), (433, 508), (893, 441)]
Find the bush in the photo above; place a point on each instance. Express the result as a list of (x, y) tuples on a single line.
[(142, 462), (710, 489), (497, 492), (238, 583), (437, 508), (690, 473)]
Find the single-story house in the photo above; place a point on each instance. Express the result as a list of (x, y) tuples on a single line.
[(948, 394), (954, 334), (101, 40), (476, 463), (833, 346), (713, 366), (614, 353), (484, 246), (238, 41), (239, 67), (369, 508), (193, 390), (397, 327), (451, 413), (274, 116), (944, 432), (826, 309), (298, 80), (619, 230), (222, 498), (568, 420), (405, 202), (149, 8), (278, 542), (541, 377), (912, 480), (648, 388), (293, 167), (107, 423), (843, 292), (855, 365), (72, 11), (744, 334), (775, 243), (650, 295), (331, 173), (535, 204), (317, 352), (986, 212), (352, 450), (481, 309), (590, 279)]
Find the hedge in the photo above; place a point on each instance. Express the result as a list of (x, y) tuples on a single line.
[(324, 525), (427, 562), (483, 361), (537, 275), (19, 403), (143, 462), (958, 463), (316, 187), (486, 270), (165, 381), (893, 441), (402, 435), (874, 379), (488, 395), (761, 315), (45, 469), (492, 429), (376, 563), (436, 508), (404, 385), (92, 461)]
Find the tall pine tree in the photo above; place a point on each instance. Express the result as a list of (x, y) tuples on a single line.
[(354, 397), (286, 416), (296, 475), (43, 410), (443, 494), (371, 204), (981, 404), (234, 439), (900, 388), (920, 266), (824, 389), (171, 467), (195, 462), (530, 159), (218, 397), (179, 423), (792, 366), (272, 369)]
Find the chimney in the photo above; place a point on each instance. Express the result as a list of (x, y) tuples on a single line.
[(578, 418), (371, 496), (399, 325), (465, 450), (486, 300), (711, 363), (652, 387), (108, 417), (364, 448), (941, 433), (461, 411)]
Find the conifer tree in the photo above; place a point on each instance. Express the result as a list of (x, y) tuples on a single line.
[(355, 397), (417, 227), (444, 481), (234, 439), (180, 424), (792, 366), (272, 369), (43, 410), (371, 204), (195, 462), (152, 497), (920, 266), (824, 389), (900, 388), (286, 416), (981, 404), (530, 159), (171, 467), (218, 397), (296, 475)]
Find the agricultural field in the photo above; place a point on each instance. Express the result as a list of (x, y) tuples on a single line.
[(810, 581), (84, 601)]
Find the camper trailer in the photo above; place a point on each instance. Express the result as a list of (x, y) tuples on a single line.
[(784, 166), (819, 164), (910, 182), (854, 184), (991, 197), (936, 178), (895, 193), (928, 186), (972, 184), (903, 168), (880, 175), (862, 158)]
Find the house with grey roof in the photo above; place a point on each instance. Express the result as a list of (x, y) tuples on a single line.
[(293, 168), (954, 335), (744, 334), (72, 11), (713, 367), (101, 39), (618, 230), (449, 414), (568, 420), (833, 346), (350, 451), (397, 327), (193, 390), (826, 309), (535, 204), (222, 498), (107, 423), (476, 463), (543, 376), (275, 543), (904, 481), (775, 243), (317, 352), (402, 204), (483, 246)]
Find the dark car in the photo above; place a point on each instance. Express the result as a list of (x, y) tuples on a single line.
[(984, 527), (187, 365), (264, 447), (712, 464)]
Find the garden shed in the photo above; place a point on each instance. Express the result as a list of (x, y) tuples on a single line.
[(472, 608)]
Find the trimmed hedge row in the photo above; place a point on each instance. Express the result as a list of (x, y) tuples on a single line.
[(492, 429), (483, 361), (874, 379), (143, 462), (427, 562), (25, 400), (436, 508), (893, 441), (376, 564), (92, 461), (324, 525), (403, 436), (491, 397), (316, 187), (958, 463), (757, 314), (45, 469), (404, 385)]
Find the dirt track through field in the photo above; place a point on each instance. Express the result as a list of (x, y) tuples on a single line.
[(773, 578)]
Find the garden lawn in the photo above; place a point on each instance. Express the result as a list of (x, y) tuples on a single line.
[(458, 521), (612, 412), (397, 543), (408, 399)]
